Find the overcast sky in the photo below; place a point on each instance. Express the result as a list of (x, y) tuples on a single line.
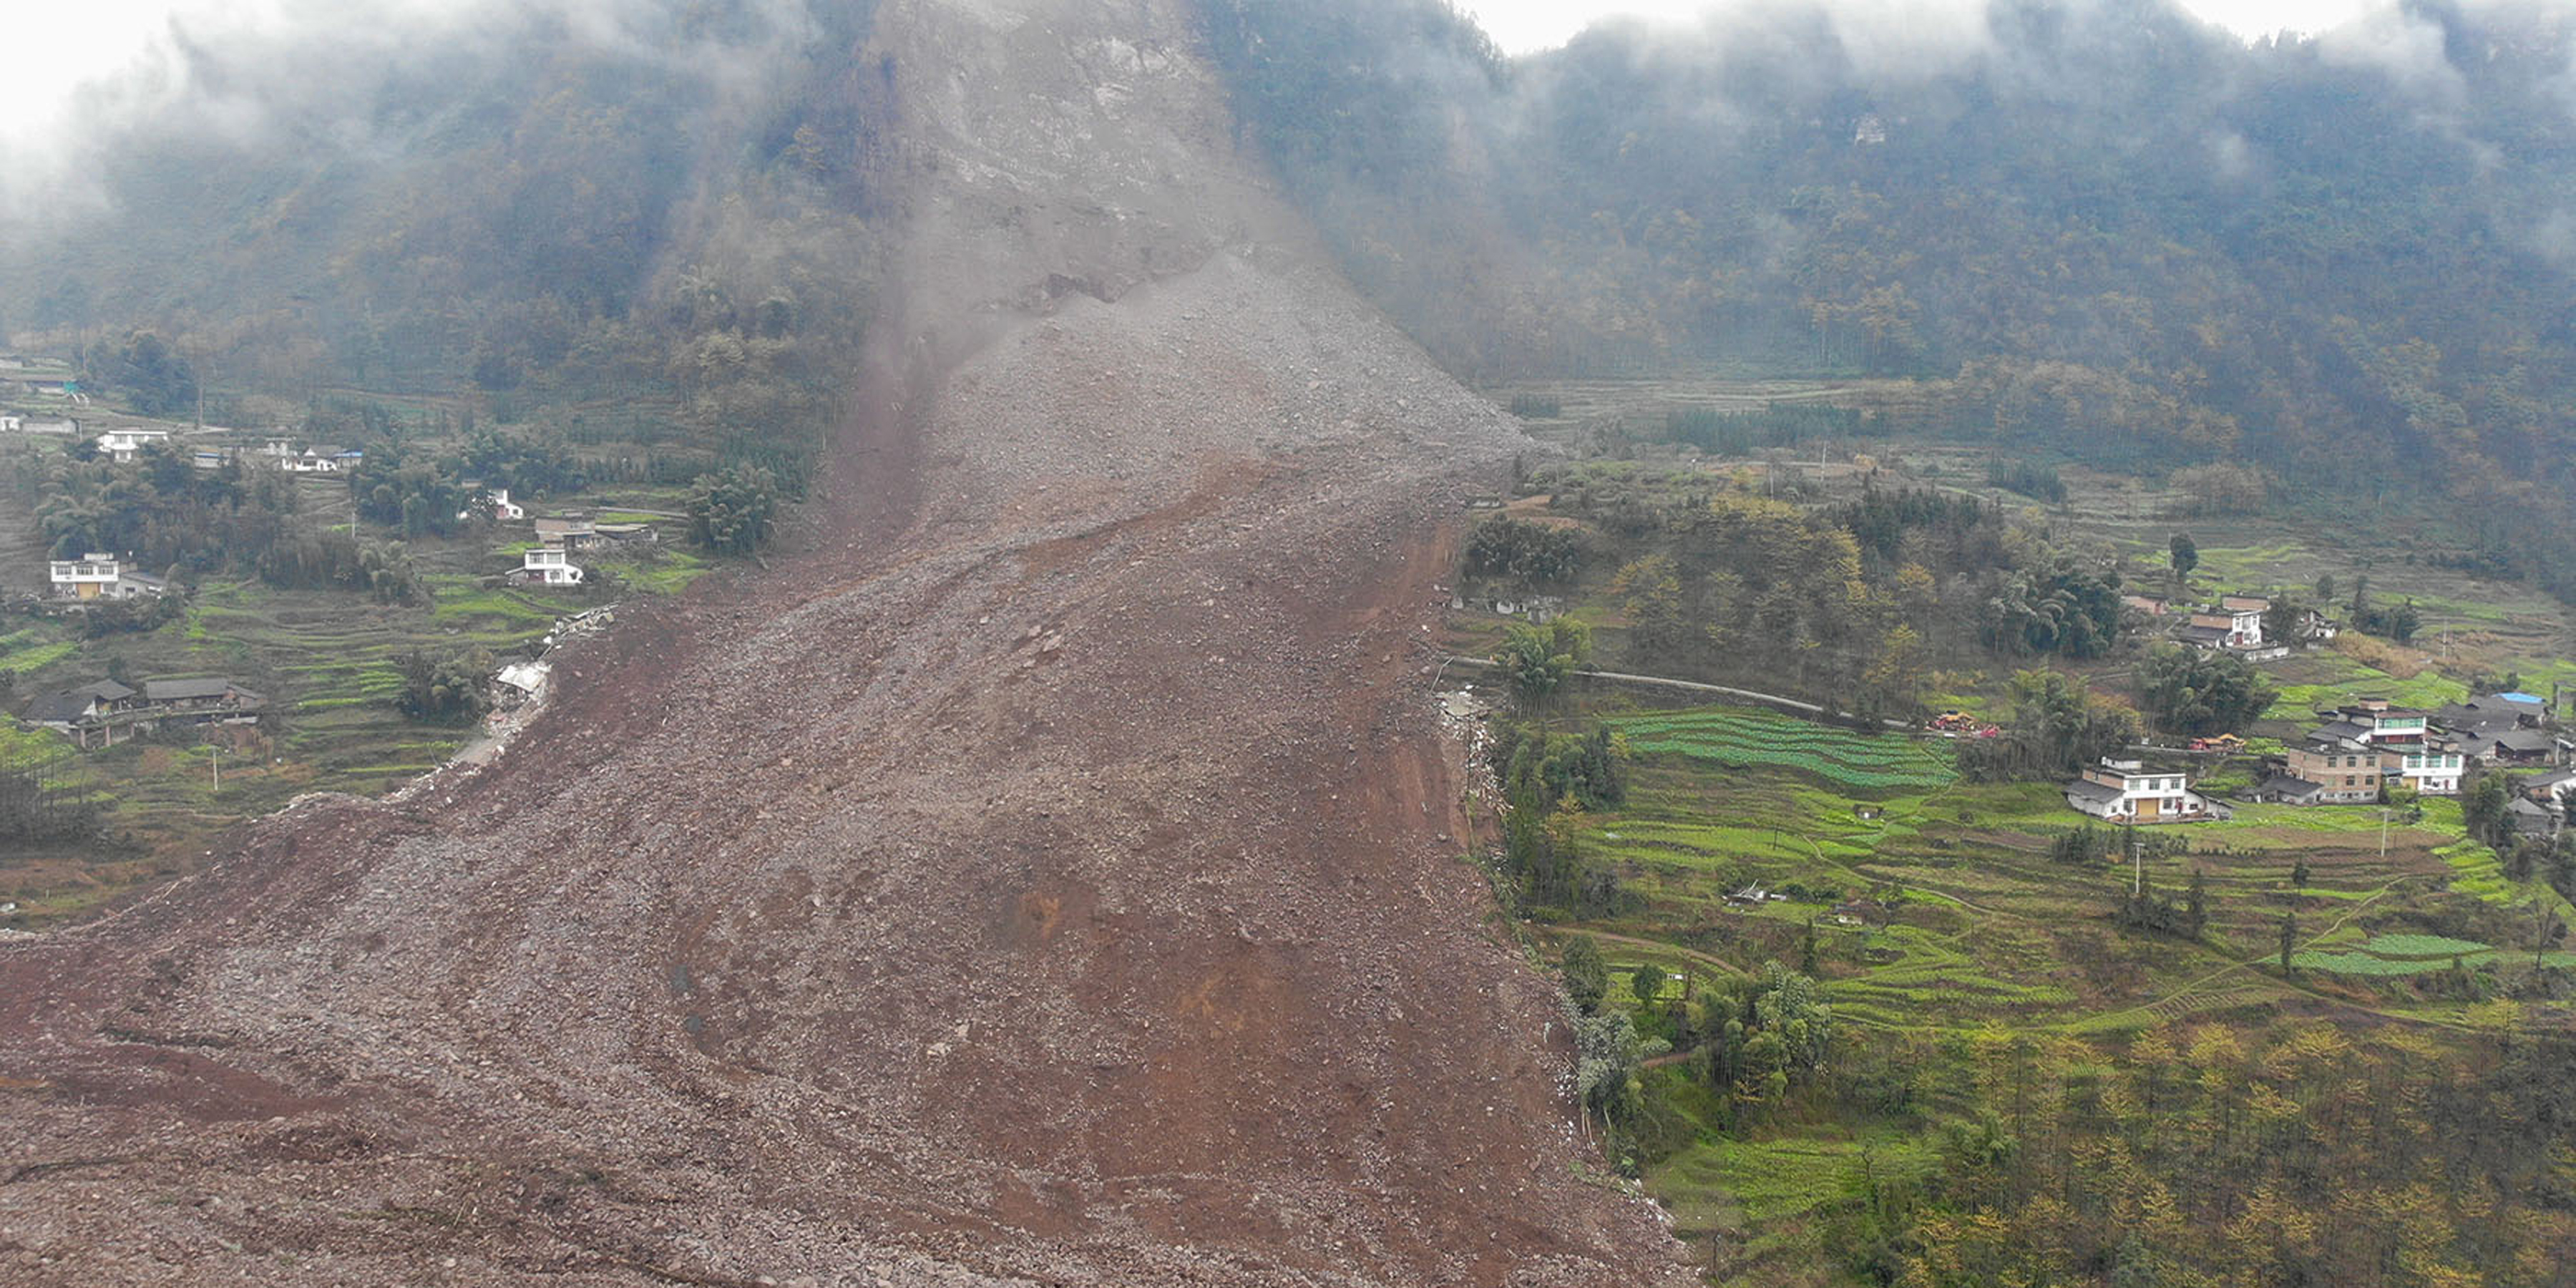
[(58, 44), (1521, 26)]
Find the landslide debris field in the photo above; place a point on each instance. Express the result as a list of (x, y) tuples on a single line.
[(1038, 875)]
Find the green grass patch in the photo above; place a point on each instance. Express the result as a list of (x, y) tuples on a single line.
[(32, 658), (667, 572), (1740, 739), (2421, 946)]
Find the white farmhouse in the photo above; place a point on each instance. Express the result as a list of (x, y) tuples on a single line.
[(99, 576), (120, 445), (495, 502), (2123, 791), (551, 566), (2432, 768), (318, 460)]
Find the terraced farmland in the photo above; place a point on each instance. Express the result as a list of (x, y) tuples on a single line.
[(1740, 739), (2412, 955)]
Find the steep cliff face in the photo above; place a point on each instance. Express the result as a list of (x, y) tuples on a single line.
[(1041, 875)]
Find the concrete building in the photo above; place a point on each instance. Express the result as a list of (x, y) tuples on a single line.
[(99, 576), (549, 566), (2124, 791), (122, 445)]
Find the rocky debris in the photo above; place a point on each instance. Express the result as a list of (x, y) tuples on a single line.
[(1053, 891), (589, 623)]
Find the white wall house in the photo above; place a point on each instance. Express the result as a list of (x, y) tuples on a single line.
[(12, 424), (319, 460), (97, 576), (2123, 791), (120, 445), (496, 503), (88, 577), (2243, 626), (2388, 724), (2431, 769), (551, 566)]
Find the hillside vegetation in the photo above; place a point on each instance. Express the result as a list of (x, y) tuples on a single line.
[(614, 259), (2101, 230), (665, 204)]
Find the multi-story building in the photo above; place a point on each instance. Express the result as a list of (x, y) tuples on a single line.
[(2345, 772), (2125, 791), (550, 566), (99, 576), (2432, 767)]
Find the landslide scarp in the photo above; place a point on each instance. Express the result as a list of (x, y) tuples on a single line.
[(1040, 876)]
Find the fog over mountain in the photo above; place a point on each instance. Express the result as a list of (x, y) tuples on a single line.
[(2342, 257), (1058, 847)]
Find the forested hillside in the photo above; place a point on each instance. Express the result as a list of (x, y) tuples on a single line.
[(650, 197), (2099, 228)]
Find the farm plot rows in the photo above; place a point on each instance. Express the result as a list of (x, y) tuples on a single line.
[(1747, 739), (2410, 955)]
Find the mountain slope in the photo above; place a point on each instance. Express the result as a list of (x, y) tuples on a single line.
[(1039, 874), (2099, 228)]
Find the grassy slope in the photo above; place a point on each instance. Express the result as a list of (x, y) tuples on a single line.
[(1990, 935), (328, 662)]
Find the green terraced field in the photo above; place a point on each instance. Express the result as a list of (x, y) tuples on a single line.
[(1738, 739), (2414, 955), (2421, 946)]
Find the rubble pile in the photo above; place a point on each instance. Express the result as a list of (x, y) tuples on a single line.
[(1036, 875)]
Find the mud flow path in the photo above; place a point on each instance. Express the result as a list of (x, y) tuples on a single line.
[(1035, 875)]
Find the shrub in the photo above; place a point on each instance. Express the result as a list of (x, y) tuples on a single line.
[(1502, 546), (731, 510), (447, 688)]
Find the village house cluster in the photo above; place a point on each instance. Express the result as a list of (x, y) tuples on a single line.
[(2358, 754), (283, 454), (2235, 625), (2367, 748)]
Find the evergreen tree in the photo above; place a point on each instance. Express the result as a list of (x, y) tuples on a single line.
[(2184, 554)]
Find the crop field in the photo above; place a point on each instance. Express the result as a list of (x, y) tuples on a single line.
[(35, 647), (1939, 914), (328, 661), (2408, 954), (1737, 739), (2324, 679), (1975, 927), (1758, 1194)]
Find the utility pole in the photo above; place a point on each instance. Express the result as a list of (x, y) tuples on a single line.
[(2137, 865), (2383, 834)]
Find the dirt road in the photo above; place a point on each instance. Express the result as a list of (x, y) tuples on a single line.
[(1034, 876)]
